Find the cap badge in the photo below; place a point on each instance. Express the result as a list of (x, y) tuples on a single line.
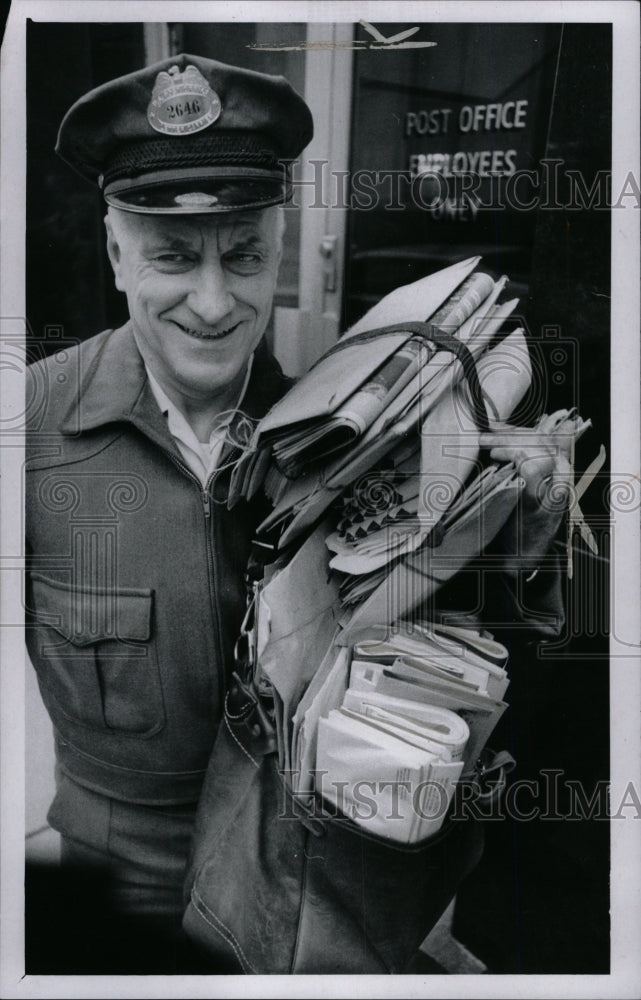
[(182, 103), (193, 199)]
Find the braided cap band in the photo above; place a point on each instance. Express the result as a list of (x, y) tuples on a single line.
[(225, 149)]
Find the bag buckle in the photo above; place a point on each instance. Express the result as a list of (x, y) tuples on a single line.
[(267, 729), (490, 775), (245, 646)]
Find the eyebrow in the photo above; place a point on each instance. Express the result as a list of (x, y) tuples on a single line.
[(180, 245), (159, 242), (248, 242)]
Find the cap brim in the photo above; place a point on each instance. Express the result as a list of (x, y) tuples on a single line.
[(199, 190)]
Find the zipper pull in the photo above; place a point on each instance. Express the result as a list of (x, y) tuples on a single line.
[(207, 503)]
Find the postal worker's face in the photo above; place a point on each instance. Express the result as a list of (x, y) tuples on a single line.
[(199, 290)]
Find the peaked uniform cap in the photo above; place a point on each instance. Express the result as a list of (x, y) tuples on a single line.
[(188, 134)]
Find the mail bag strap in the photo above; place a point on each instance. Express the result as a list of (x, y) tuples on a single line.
[(444, 341)]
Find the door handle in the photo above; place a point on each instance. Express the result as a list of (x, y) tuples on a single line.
[(328, 248)]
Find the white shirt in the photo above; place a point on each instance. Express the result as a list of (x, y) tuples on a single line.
[(202, 457)]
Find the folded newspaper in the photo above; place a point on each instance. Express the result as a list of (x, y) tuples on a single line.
[(381, 494)]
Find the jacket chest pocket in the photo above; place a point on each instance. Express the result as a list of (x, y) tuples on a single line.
[(96, 658)]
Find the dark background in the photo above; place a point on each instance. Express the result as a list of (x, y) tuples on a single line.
[(539, 900)]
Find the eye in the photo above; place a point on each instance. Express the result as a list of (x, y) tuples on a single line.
[(170, 262), (244, 261), (173, 258)]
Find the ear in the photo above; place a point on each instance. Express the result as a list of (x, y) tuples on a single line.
[(115, 254)]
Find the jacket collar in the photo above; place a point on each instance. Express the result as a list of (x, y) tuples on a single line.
[(114, 388)]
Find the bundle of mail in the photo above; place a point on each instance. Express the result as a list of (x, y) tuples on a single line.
[(380, 495)]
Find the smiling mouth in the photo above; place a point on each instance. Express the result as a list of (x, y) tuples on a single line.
[(208, 334)]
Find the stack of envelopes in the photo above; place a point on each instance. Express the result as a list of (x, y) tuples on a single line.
[(384, 729), (383, 431), (418, 710)]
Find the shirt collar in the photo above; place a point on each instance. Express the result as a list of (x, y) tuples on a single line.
[(111, 385), (177, 423)]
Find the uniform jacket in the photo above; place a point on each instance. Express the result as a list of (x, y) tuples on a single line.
[(136, 584)]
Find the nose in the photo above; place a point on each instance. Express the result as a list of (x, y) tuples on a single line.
[(210, 298)]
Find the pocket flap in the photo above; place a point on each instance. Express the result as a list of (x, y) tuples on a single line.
[(84, 615)]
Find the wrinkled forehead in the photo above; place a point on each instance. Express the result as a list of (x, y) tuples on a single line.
[(262, 224)]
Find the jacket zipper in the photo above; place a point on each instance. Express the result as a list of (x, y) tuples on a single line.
[(211, 565), (222, 675)]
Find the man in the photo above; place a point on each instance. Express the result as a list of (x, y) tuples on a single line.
[(136, 564), (137, 588)]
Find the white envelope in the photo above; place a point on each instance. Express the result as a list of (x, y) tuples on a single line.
[(378, 781), (325, 692), (479, 712), (297, 618), (415, 302), (449, 435), (448, 732)]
